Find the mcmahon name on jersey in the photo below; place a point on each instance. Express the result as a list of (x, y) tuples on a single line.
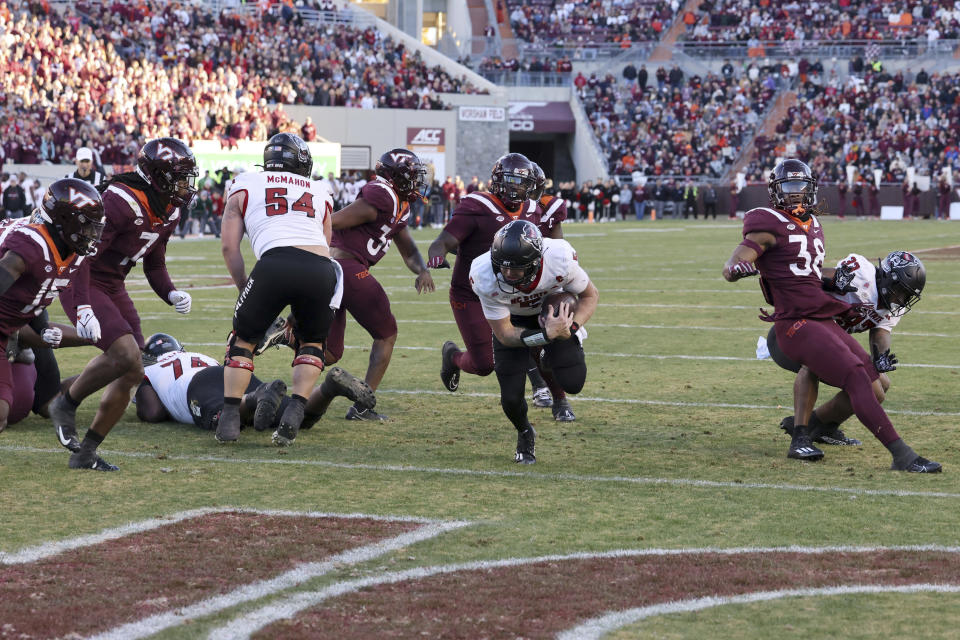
[(559, 271)]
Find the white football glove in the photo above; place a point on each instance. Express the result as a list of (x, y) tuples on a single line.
[(88, 327), (181, 301), (52, 336)]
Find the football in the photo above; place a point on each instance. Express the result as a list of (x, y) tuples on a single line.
[(554, 299)]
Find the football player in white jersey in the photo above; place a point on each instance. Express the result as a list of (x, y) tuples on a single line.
[(512, 280), (879, 298), (187, 387), (287, 218)]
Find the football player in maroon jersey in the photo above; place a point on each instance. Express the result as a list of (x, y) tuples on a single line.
[(470, 233), (785, 245), (41, 259), (142, 209), (362, 233)]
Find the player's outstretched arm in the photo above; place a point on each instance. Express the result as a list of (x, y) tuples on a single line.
[(231, 234), (354, 214), (12, 267), (445, 243), (589, 298), (741, 261), (414, 261)]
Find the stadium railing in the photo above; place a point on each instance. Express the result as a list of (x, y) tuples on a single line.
[(885, 49), (527, 78)]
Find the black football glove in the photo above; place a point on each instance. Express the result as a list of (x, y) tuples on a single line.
[(885, 361), (841, 282), (743, 269)]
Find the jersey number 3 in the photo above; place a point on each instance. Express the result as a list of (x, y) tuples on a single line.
[(808, 262), (276, 201)]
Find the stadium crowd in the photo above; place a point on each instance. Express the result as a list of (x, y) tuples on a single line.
[(617, 22), (763, 21), (671, 123), (86, 76), (873, 120)]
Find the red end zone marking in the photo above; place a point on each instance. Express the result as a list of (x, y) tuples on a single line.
[(94, 588), (543, 598)]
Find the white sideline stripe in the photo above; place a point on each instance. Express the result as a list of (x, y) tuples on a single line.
[(49, 549), (599, 627), (245, 625), (264, 588), (527, 476)]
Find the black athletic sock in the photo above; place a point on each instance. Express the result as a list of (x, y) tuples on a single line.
[(902, 454), (69, 399), (91, 440), (536, 380)]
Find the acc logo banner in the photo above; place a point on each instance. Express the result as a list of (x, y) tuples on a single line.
[(426, 136)]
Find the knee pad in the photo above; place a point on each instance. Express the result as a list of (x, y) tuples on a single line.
[(234, 351), (312, 356)]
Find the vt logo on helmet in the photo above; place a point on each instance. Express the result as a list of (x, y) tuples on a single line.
[(793, 188), (404, 171), (73, 209), (516, 254), (513, 180), (168, 165)]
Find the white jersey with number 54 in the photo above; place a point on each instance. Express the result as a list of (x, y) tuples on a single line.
[(282, 209), (559, 271)]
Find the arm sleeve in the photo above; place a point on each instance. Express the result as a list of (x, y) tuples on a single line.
[(155, 268)]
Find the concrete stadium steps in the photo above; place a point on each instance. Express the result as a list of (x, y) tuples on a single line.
[(785, 100), (664, 50)]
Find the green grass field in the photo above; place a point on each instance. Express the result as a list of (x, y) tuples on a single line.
[(676, 442)]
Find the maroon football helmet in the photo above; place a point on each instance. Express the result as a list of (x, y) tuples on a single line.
[(513, 180), (541, 182), (74, 210), (170, 168), (403, 169), (793, 187)]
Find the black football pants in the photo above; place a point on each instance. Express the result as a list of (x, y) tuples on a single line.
[(563, 359)]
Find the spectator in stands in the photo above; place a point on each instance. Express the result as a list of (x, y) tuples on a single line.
[(709, 195), (308, 131)]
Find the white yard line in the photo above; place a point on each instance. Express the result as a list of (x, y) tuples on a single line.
[(601, 626), (49, 549), (247, 624), (526, 476), (265, 588)]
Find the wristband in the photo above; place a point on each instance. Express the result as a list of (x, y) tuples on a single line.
[(574, 327), (534, 338)]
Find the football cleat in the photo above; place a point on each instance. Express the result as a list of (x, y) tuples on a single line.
[(275, 336), (290, 422), (919, 465), (562, 411), (64, 419), (339, 382), (353, 413), (90, 460), (268, 396), (228, 428), (822, 433), (542, 398), (449, 372), (801, 448), (526, 445)]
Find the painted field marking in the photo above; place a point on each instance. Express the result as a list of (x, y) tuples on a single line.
[(49, 549), (599, 627), (243, 626), (532, 475), (265, 588)]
